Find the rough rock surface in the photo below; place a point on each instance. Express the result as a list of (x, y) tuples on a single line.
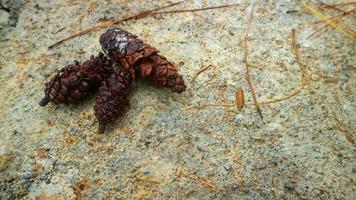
[(164, 148)]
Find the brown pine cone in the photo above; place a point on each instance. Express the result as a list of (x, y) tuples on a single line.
[(140, 59), (112, 98), (75, 81)]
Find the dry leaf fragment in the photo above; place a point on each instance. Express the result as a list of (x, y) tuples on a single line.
[(239, 99)]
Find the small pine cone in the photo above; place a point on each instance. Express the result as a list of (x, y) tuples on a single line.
[(65, 86), (125, 48), (112, 98), (75, 81), (140, 59)]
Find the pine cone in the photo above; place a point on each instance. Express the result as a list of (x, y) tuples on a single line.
[(65, 86), (140, 59), (112, 98), (75, 81)]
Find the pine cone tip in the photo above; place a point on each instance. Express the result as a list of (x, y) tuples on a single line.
[(109, 40), (101, 128), (44, 101), (180, 85)]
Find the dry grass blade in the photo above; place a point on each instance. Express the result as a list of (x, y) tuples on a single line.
[(248, 76), (239, 99), (199, 72), (112, 22), (342, 29)]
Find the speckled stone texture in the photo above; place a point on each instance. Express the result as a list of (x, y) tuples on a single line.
[(163, 148)]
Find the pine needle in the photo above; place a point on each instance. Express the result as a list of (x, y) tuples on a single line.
[(344, 128), (295, 49), (248, 76), (197, 9), (340, 4), (327, 5), (209, 105), (199, 72), (335, 19), (203, 182)]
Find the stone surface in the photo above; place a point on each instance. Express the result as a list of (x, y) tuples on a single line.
[(164, 147), (4, 18)]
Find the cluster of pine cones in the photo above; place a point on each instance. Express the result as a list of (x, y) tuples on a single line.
[(129, 59)]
